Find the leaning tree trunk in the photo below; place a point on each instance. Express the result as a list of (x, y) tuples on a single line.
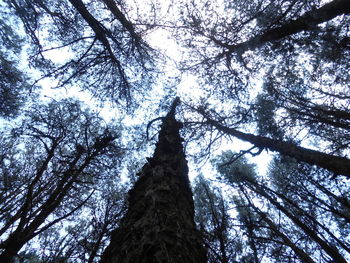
[(336, 164), (308, 21), (159, 224)]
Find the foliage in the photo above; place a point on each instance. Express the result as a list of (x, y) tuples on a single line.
[(52, 165), (272, 73), (103, 51), (14, 82), (295, 215), (212, 217), (234, 169)]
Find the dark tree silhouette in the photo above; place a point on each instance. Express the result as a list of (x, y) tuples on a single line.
[(285, 210), (273, 73), (110, 59), (47, 169), (338, 165), (14, 82), (307, 21), (159, 224)]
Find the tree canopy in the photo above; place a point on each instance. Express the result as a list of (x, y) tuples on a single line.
[(255, 78)]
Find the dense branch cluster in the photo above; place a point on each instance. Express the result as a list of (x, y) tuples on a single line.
[(273, 78)]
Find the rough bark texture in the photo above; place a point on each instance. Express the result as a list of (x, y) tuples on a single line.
[(159, 224)]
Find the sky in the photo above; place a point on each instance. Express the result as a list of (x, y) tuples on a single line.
[(188, 89)]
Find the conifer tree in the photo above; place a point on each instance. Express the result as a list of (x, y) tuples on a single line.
[(159, 224)]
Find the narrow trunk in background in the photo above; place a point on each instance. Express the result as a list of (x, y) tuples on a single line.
[(159, 224)]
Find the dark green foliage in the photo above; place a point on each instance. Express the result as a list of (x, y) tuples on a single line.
[(234, 168), (12, 89), (265, 117)]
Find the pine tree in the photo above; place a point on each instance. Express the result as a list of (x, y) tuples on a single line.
[(159, 224)]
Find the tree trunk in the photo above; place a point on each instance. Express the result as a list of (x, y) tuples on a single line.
[(95, 25), (30, 221), (305, 22), (336, 164), (159, 224), (112, 6), (304, 257), (332, 251)]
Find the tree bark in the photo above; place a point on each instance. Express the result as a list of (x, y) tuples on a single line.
[(159, 224), (336, 164), (306, 22)]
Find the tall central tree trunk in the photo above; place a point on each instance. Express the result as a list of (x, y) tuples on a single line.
[(159, 224)]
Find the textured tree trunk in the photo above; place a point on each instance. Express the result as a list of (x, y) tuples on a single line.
[(159, 224)]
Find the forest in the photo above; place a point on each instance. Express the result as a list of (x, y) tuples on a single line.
[(187, 131)]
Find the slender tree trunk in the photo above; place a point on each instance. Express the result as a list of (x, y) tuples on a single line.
[(311, 115), (159, 224), (328, 248), (112, 6), (220, 224), (304, 257), (99, 30), (303, 23), (28, 226), (251, 242), (341, 199), (336, 164), (311, 218)]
